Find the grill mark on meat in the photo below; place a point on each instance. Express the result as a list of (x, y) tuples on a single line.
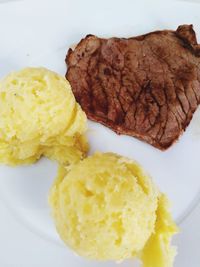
[(181, 105), (146, 86), (166, 96), (178, 117), (155, 102), (166, 119), (115, 97)]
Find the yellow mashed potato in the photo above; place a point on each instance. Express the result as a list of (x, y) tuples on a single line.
[(39, 116), (107, 208)]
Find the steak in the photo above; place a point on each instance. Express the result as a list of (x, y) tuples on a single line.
[(146, 86)]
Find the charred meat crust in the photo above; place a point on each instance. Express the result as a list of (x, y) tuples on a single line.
[(146, 86)]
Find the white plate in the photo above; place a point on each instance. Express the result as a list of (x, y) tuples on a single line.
[(38, 33)]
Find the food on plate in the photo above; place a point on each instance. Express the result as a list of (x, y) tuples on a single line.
[(39, 116), (107, 208), (146, 86)]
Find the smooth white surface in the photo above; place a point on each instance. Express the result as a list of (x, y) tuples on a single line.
[(38, 33)]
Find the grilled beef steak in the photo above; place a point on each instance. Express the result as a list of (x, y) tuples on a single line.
[(146, 86)]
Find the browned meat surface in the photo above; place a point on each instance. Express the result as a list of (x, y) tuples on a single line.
[(146, 86)]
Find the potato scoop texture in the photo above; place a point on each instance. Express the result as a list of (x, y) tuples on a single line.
[(107, 208), (39, 116)]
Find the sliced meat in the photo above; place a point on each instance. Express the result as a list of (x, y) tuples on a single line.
[(146, 86)]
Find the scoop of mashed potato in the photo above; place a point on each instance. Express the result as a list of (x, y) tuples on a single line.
[(39, 116), (107, 208)]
